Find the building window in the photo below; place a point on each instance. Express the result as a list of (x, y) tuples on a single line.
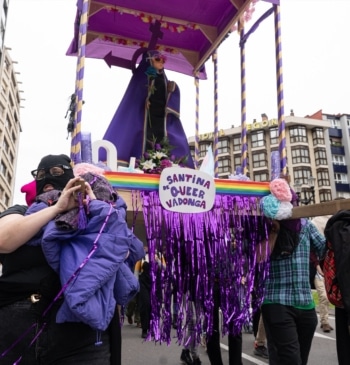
[(335, 123), (261, 176), (3, 169), (237, 161), (257, 139), (340, 178), (320, 156), (11, 158), (336, 142), (192, 153), (302, 173), (300, 155), (5, 146), (9, 178), (325, 196), (274, 136), (7, 63), (223, 146), (338, 160), (236, 141), (259, 159), (2, 110), (203, 147), (297, 134), (323, 177), (224, 165), (14, 139), (6, 199), (318, 136)]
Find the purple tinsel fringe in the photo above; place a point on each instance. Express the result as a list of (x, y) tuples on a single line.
[(201, 249)]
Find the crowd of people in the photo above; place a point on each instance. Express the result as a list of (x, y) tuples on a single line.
[(34, 291), (74, 269)]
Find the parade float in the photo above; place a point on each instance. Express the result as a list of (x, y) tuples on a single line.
[(203, 217)]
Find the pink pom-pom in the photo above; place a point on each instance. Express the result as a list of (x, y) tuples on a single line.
[(82, 168), (281, 190), (30, 191)]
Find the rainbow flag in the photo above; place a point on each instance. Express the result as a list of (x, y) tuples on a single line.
[(150, 182)]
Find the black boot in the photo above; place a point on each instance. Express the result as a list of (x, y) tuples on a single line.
[(186, 357)]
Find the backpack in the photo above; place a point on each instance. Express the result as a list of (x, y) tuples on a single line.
[(330, 279), (286, 242)]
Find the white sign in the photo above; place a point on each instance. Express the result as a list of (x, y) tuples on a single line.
[(185, 190)]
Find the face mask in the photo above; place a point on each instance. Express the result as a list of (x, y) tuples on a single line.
[(49, 172)]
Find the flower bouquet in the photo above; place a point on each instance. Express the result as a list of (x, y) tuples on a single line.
[(159, 157)]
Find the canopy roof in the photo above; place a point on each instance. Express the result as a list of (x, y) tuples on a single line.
[(187, 31)]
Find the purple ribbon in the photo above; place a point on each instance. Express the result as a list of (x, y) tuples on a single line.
[(202, 249)]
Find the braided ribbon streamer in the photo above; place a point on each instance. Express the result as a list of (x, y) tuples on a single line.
[(76, 135), (280, 96), (227, 244), (196, 137), (244, 148), (216, 116)]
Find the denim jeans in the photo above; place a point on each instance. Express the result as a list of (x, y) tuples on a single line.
[(15, 320), (289, 333)]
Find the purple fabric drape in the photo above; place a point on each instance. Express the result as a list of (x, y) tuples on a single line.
[(127, 129)]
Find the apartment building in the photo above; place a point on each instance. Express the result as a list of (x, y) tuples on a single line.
[(309, 147), (4, 7), (10, 128), (339, 139)]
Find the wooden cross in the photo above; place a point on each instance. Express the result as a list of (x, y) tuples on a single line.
[(327, 208)]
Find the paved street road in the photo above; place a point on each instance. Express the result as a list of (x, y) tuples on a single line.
[(138, 352)]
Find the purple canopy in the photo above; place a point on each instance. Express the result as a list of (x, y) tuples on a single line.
[(186, 31)]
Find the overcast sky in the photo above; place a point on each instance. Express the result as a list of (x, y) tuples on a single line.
[(316, 74)]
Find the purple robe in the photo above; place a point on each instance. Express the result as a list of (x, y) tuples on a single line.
[(128, 128)]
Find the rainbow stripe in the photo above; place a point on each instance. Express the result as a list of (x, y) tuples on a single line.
[(150, 182)]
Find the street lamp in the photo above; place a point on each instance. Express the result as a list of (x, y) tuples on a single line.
[(310, 190)]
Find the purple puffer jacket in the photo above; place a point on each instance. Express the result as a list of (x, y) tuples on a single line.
[(98, 279)]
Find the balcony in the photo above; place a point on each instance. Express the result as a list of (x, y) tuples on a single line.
[(340, 168), (337, 150), (345, 188), (335, 132)]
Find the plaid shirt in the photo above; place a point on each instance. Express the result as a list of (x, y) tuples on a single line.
[(288, 281)]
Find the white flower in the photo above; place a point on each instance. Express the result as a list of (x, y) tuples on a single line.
[(159, 155), (148, 165)]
